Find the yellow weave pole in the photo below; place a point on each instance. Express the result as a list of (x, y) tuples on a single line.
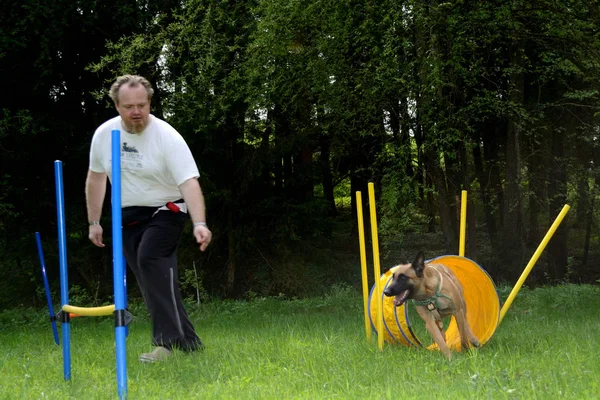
[(380, 334), (463, 223), (89, 311), (533, 260), (363, 263)]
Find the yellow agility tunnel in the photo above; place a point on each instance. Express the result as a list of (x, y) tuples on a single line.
[(483, 306)]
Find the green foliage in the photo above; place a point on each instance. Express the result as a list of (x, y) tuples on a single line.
[(399, 206), (191, 284), (284, 102)]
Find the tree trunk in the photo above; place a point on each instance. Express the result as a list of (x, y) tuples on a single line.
[(233, 130), (405, 137), (482, 173), (443, 204), (424, 178), (588, 231), (512, 217), (582, 147), (326, 175), (537, 167), (472, 244), (265, 180), (557, 193), (302, 184), (358, 184), (590, 219), (491, 156), (231, 259), (281, 127)]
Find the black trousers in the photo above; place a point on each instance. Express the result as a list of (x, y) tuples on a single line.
[(150, 248)]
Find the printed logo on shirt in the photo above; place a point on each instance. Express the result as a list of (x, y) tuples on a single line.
[(131, 159), (128, 149)]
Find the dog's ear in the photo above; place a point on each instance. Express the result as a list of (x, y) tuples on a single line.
[(419, 264)]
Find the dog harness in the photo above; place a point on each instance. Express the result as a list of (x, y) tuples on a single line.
[(432, 302)]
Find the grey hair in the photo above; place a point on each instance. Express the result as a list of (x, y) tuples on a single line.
[(132, 81)]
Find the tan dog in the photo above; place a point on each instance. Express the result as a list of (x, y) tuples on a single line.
[(437, 293)]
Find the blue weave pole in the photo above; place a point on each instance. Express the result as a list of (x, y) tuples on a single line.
[(125, 290), (48, 296), (62, 256), (118, 269)]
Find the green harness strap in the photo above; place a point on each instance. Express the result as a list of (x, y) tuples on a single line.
[(433, 300)]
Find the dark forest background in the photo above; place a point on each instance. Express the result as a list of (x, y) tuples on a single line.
[(290, 107)]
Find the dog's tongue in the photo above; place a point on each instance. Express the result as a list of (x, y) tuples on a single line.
[(400, 298)]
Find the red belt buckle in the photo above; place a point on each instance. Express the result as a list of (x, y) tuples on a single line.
[(173, 207)]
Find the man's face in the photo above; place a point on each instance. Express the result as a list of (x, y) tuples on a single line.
[(134, 107)]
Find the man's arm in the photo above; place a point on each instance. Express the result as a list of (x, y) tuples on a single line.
[(194, 200), (95, 190)]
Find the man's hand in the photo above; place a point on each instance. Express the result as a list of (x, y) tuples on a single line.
[(95, 235), (203, 236)]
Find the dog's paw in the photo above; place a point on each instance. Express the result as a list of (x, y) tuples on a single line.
[(475, 343)]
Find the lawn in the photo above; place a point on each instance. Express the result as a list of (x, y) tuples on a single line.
[(274, 348)]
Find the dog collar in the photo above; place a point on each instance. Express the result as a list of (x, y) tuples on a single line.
[(432, 302)]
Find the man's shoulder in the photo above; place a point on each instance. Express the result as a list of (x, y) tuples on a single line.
[(161, 123), (166, 130), (109, 125)]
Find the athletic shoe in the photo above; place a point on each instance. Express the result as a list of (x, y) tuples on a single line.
[(157, 355)]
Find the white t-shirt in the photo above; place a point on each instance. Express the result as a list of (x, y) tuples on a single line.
[(153, 163)]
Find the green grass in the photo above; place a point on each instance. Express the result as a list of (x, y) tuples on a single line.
[(546, 347)]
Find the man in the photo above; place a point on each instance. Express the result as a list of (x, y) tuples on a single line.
[(159, 190)]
